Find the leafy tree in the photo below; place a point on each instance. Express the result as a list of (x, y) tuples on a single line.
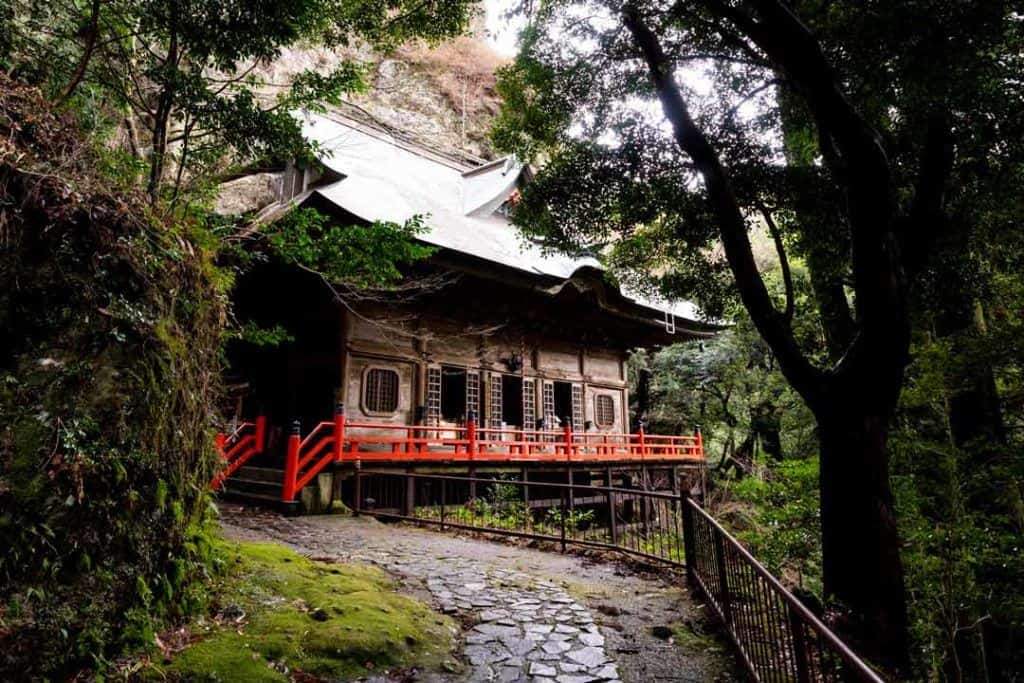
[(869, 161), (176, 76), (116, 313)]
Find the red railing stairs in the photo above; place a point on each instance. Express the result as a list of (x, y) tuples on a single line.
[(353, 444)]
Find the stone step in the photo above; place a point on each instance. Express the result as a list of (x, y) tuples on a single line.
[(255, 485), (262, 499), (253, 473)]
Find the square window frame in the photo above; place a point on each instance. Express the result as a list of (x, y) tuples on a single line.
[(597, 411), (364, 386)]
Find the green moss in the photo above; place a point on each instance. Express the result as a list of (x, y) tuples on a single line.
[(685, 637), (329, 620)]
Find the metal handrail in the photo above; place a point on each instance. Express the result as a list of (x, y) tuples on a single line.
[(777, 636)]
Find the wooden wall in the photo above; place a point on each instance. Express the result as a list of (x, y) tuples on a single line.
[(412, 345)]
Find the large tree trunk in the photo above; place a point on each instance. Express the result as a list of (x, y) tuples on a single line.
[(859, 539)]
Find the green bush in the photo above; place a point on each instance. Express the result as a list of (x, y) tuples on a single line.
[(112, 320)]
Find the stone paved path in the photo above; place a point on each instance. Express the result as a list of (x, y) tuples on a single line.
[(526, 624)]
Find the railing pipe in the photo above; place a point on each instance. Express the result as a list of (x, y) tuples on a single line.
[(567, 434), (261, 433), (471, 434), (339, 430), (291, 464)]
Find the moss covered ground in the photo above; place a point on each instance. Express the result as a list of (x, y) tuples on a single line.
[(323, 621)]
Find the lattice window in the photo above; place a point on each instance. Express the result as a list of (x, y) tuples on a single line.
[(473, 395), (380, 391), (529, 404), (604, 411), (577, 407), (548, 398), (433, 396), (495, 401)]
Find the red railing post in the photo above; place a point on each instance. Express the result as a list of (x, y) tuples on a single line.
[(643, 442), (291, 464), (700, 443), (339, 430), (261, 433), (220, 440), (568, 439), (471, 434)]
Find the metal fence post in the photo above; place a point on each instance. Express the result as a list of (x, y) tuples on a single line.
[(611, 508), (565, 511), (689, 540), (443, 496), (796, 630), (723, 578)]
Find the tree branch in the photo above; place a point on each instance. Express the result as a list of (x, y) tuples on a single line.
[(733, 229), (780, 248), (83, 63)]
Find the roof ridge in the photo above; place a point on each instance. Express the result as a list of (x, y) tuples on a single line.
[(367, 122)]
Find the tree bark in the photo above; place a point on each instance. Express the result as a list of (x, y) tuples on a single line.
[(90, 46), (161, 119), (860, 547)]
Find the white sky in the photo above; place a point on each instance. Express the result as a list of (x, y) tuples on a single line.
[(502, 32)]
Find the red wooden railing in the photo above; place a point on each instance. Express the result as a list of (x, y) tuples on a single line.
[(247, 440), (357, 442)]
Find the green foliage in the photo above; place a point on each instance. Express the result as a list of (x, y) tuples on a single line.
[(184, 73), (732, 388), (115, 305), (251, 333), (776, 515), (325, 620), (616, 184), (107, 367), (362, 255)]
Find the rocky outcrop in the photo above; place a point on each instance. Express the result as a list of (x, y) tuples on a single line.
[(443, 97)]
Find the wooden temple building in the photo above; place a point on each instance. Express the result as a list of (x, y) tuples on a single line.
[(496, 354)]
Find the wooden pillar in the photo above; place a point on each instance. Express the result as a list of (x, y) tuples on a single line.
[(345, 334)]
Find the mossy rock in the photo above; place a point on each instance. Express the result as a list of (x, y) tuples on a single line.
[(329, 620)]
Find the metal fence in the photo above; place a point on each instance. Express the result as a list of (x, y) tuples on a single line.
[(778, 638)]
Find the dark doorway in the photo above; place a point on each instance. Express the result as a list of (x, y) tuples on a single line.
[(297, 378), (512, 400), (563, 401), (453, 394)]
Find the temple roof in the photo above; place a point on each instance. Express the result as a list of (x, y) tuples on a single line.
[(378, 176)]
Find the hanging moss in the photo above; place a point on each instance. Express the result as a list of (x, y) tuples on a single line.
[(112, 319)]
